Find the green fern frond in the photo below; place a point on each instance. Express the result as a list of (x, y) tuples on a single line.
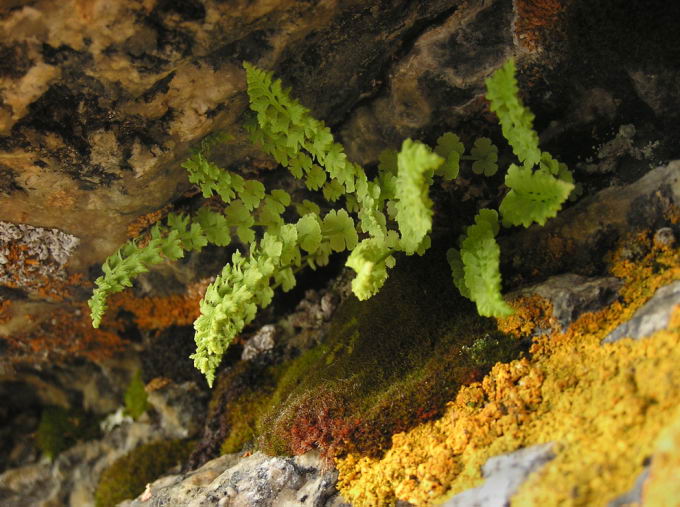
[(293, 136), (485, 156), (370, 259), (231, 301), (475, 268), (516, 120), (414, 207), (535, 196), (451, 150), (168, 242)]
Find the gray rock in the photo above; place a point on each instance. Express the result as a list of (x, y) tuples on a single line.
[(651, 317), (43, 254), (634, 496), (571, 295), (504, 474), (261, 480), (260, 342), (180, 407), (315, 309), (579, 236), (611, 152), (73, 476), (664, 237)]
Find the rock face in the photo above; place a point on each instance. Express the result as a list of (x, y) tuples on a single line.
[(99, 101)]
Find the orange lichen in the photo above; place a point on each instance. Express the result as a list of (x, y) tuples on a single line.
[(534, 17), (65, 334), (603, 405), (67, 331), (5, 310), (140, 224), (531, 313), (56, 290), (157, 383), (28, 273), (161, 312)]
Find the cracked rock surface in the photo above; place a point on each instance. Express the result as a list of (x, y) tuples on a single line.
[(254, 480)]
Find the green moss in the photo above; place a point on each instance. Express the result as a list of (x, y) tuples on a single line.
[(127, 476), (250, 392), (60, 429), (243, 416), (491, 349), (135, 397), (385, 365)]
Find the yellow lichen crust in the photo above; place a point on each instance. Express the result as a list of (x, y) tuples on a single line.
[(663, 487), (604, 406)]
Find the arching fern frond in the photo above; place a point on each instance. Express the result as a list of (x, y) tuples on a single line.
[(168, 242)]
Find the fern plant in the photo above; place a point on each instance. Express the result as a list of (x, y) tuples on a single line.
[(538, 188), (376, 218)]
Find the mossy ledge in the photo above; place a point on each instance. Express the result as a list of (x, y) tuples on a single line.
[(385, 365)]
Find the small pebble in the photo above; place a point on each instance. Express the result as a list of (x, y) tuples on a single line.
[(664, 237)]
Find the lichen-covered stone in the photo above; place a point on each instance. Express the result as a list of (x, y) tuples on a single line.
[(31, 257), (603, 405), (571, 295)]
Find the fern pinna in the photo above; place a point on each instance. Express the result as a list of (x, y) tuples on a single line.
[(379, 218)]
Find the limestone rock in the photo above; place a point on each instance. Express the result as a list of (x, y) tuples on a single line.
[(180, 408), (571, 295), (254, 480), (652, 317), (503, 475), (72, 478)]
